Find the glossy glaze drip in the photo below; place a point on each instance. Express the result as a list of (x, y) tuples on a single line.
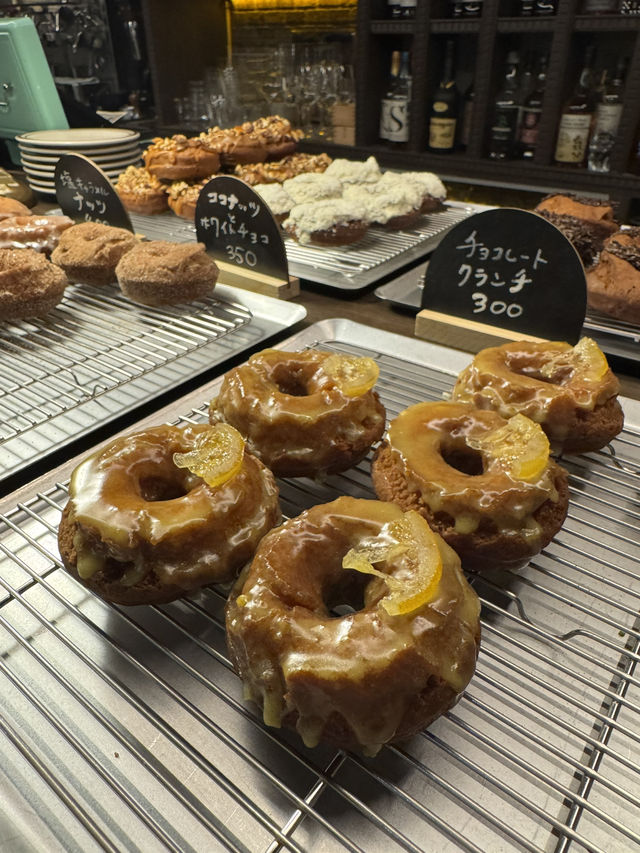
[(294, 656), (422, 433)]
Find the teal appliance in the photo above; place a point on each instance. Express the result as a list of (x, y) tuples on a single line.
[(29, 99)]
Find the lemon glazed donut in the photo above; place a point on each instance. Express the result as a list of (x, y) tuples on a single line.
[(303, 413), (486, 485), (570, 391), (142, 528), (378, 674)]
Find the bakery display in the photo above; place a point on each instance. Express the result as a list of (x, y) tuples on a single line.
[(372, 676), (89, 252), (30, 285), (485, 484), (277, 171), (141, 192), (570, 391), (330, 222), (178, 158), (156, 514), (613, 284), (586, 222), (38, 232), (303, 413), (158, 272)]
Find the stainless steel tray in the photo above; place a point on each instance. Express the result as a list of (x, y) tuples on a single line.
[(125, 729), (351, 268), (98, 355), (615, 337)]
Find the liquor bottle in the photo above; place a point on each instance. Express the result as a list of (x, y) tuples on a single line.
[(531, 112), (443, 115), (544, 7), (577, 117), (607, 121), (394, 108), (467, 117), (505, 112), (466, 8), (408, 8), (394, 9)]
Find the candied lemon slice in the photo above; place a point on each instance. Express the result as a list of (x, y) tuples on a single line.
[(586, 359), (520, 446), (412, 538), (217, 455), (353, 374)]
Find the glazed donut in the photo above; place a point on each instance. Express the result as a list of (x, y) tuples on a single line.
[(138, 529), (298, 415), (10, 207), (30, 285), (486, 485), (570, 391), (178, 158), (371, 676), (41, 233), (278, 171)]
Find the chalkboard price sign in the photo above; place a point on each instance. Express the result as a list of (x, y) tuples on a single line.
[(511, 269), (85, 193), (238, 228)]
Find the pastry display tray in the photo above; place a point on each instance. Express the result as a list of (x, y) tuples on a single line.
[(98, 355), (615, 337), (379, 254), (126, 728)]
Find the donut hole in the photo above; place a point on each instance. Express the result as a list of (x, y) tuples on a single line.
[(293, 379), (162, 488), (346, 594), (463, 459)]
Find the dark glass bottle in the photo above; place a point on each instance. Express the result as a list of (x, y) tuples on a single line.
[(394, 9), (577, 117), (502, 135), (466, 8), (445, 105), (607, 120), (531, 112), (394, 107), (467, 117)]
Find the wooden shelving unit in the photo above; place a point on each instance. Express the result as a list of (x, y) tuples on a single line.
[(484, 42)]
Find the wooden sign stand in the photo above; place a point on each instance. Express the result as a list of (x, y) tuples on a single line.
[(463, 334), (248, 279)]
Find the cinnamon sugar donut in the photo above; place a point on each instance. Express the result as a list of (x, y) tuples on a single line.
[(41, 233), (89, 252), (570, 391), (139, 530), (158, 272), (30, 285), (366, 678), (297, 414), (141, 192), (178, 158), (474, 478)]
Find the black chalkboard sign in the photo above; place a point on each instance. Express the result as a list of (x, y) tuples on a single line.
[(237, 227), (85, 193), (509, 268)]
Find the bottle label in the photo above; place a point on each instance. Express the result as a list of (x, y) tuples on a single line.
[(442, 133), (573, 134), (530, 126), (608, 118), (394, 119), (440, 106)]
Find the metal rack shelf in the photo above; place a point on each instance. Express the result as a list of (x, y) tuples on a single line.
[(125, 728)]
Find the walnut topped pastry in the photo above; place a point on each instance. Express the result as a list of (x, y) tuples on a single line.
[(183, 197), (178, 158), (278, 171), (141, 192), (269, 138)]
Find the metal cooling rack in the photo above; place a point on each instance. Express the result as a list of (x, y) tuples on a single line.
[(378, 254), (97, 355), (125, 728)]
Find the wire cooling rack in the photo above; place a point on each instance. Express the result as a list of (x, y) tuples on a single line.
[(98, 355), (125, 728)]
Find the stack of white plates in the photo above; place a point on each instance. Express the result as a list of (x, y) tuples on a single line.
[(110, 148)]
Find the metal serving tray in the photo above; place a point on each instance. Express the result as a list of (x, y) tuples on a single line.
[(125, 729), (97, 355), (615, 337), (351, 268)]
